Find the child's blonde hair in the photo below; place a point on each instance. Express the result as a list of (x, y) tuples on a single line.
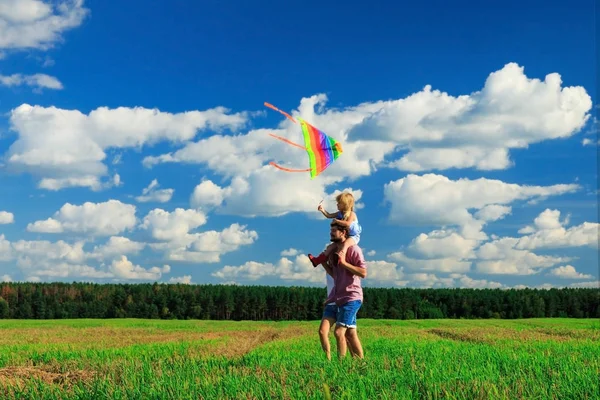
[(347, 201)]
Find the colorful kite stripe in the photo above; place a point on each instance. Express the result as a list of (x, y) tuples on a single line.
[(322, 150)]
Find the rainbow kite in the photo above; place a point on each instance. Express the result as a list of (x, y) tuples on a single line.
[(322, 150)]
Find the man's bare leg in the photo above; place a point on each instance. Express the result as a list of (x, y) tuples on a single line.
[(324, 335), (354, 341), (340, 338)]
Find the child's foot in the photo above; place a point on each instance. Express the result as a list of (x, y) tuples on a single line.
[(316, 260)]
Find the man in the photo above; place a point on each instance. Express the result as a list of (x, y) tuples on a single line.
[(328, 320), (346, 270)]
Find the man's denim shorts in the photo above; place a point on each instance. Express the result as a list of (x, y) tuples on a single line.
[(346, 314), (330, 311)]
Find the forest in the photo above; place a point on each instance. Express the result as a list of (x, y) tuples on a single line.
[(27, 300)]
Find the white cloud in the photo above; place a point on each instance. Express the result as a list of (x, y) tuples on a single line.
[(384, 273), (186, 279), (6, 278), (447, 264), (441, 244), (64, 270), (91, 181), (464, 281), (67, 148), (116, 246), (549, 232), (433, 199), (173, 231), (477, 130), (152, 193), (568, 272), (501, 256), (125, 269), (6, 253), (290, 252), (590, 142), (590, 284), (6, 218), (38, 81), (44, 259), (109, 218), (300, 269), (172, 226), (27, 24), (492, 212), (207, 247)]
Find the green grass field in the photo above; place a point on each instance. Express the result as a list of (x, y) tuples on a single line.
[(419, 359)]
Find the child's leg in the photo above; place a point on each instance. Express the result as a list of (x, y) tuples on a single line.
[(321, 258)]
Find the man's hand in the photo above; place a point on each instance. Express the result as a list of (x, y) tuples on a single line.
[(354, 270)]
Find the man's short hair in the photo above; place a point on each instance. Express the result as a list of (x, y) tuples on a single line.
[(341, 227)]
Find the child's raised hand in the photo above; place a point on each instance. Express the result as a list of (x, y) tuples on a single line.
[(320, 208)]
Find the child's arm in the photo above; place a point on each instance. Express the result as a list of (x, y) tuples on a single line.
[(325, 213), (347, 222)]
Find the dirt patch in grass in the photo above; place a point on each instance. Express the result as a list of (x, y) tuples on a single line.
[(462, 336), (240, 343), (18, 375), (103, 338), (491, 336)]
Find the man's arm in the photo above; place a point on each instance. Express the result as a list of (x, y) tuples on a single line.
[(357, 266)]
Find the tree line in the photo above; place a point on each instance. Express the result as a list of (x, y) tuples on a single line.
[(27, 300)]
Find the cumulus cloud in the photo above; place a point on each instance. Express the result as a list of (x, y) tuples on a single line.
[(152, 193), (42, 259), (173, 231), (441, 244), (548, 231), (125, 269), (446, 264), (68, 148), (433, 199), (502, 256), (103, 219), (172, 226), (568, 272), (6, 217), (116, 246), (448, 251), (299, 269), (6, 253), (290, 252), (208, 246), (186, 279), (37, 24), (477, 130)]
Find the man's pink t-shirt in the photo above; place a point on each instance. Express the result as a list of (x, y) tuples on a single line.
[(347, 286)]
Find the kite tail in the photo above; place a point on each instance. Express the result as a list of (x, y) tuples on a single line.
[(288, 169), (288, 116), (287, 141)]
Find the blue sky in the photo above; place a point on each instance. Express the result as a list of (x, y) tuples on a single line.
[(134, 142)]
